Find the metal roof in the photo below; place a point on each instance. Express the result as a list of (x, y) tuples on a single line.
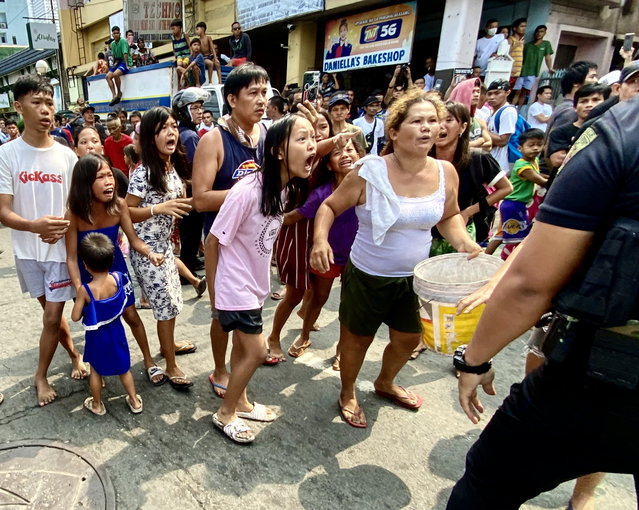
[(23, 59)]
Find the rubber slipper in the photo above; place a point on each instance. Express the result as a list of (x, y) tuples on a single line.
[(180, 386), (296, 351), (277, 296), (335, 365), (133, 409), (273, 360), (410, 401), (142, 306), (185, 348), (258, 413), (349, 419), (200, 288), (88, 404), (155, 371), (414, 355), (234, 429), (216, 385)]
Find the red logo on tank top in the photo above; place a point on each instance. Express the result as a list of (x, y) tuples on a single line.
[(247, 167), (39, 177)]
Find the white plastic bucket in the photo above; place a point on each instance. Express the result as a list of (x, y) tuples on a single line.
[(440, 282)]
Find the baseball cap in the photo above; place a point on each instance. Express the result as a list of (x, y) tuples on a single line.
[(339, 97), (87, 108), (629, 71), (370, 100), (499, 85)]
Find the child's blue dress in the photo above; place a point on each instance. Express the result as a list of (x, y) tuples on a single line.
[(106, 348), (119, 264)]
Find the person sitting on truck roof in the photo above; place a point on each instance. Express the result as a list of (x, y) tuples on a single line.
[(240, 43), (180, 42), (207, 46), (121, 63), (194, 72)]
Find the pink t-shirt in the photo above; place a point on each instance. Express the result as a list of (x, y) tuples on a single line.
[(242, 280)]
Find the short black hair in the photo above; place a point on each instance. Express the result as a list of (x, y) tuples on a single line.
[(242, 77), (177, 23), (278, 102), (235, 23), (97, 252), (531, 134), (201, 24), (10, 122), (207, 111), (116, 28), (101, 55), (542, 89), (130, 32), (539, 27), (576, 75), (135, 114), (31, 84), (491, 21), (194, 40), (518, 22), (589, 89)]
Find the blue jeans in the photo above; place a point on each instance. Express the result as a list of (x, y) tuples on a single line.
[(555, 426)]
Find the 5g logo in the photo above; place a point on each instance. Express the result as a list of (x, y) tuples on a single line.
[(381, 31)]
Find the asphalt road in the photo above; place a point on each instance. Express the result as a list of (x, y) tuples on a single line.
[(171, 456)]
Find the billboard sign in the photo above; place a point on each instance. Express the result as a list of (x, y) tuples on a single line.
[(375, 38), (151, 19), (42, 36), (255, 13)]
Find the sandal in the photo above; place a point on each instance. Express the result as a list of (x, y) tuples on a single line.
[(409, 401), (88, 404), (180, 385), (296, 351), (200, 288), (277, 296), (185, 348), (359, 413), (154, 371), (258, 413), (234, 429), (335, 365), (416, 353), (217, 386), (134, 410), (272, 360)]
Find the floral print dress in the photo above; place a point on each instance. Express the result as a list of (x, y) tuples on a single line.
[(160, 284)]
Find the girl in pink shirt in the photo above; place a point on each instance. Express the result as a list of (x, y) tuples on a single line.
[(239, 249)]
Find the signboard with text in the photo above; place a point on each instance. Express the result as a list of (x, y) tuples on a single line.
[(151, 19), (42, 36), (256, 13), (375, 38)]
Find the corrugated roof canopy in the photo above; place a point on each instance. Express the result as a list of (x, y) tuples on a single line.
[(23, 59)]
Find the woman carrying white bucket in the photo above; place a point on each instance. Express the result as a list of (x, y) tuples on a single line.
[(399, 197)]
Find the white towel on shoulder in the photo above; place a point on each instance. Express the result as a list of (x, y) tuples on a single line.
[(381, 200)]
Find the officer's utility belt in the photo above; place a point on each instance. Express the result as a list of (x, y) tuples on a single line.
[(611, 355)]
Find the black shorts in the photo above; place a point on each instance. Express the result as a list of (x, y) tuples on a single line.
[(247, 321), (367, 301)]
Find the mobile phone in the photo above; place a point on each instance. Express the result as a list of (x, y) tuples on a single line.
[(627, 41), (438, 85), (311, 85)]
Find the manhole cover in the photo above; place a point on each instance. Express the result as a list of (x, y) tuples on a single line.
[(46, 474)]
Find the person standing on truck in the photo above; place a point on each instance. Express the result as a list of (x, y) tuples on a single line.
[(180, 42), (240, 43), (207, 47), (122, 61), (234, 149)]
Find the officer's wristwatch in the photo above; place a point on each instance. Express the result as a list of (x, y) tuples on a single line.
[(460, 363)]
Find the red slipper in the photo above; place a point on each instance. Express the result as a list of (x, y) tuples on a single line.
[(349, 420), (272, 360), (410, 401)]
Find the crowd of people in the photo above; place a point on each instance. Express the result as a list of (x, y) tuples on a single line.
[(321, 189)]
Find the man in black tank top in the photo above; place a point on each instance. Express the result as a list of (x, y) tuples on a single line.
[(224, 155)]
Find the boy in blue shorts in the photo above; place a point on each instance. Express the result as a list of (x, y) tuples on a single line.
[(195, 67), (121, 62), (525, 174)]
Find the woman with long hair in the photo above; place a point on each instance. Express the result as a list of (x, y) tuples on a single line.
[(155, 194), (399, 197)]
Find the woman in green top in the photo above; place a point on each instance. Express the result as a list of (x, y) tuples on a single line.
[(121, 63)]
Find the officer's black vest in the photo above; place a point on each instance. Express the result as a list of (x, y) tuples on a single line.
[(605, 291)]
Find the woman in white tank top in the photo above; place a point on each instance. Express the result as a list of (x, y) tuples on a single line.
[(399, 197)]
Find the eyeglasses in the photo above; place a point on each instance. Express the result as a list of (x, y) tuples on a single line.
[(236, 28)]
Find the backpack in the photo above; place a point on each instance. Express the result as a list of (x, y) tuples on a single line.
[(513, 144)]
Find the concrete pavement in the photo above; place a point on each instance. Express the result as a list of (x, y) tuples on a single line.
[(171, 456)]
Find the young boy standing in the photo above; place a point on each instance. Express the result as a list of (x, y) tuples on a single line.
[(516, 222), (180, 42), (196, 66), (121, 62), (207, 47), (35, 174)]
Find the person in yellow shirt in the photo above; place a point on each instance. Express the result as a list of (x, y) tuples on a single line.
[(516, 41)]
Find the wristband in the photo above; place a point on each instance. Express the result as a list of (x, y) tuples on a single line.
[(152, 210), (460, 364)]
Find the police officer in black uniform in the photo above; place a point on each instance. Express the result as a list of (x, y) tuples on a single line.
[(579, 413)]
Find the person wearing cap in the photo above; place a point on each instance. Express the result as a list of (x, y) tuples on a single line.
[(88, 114), (371, 126), (500, 132), (338, 108)]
